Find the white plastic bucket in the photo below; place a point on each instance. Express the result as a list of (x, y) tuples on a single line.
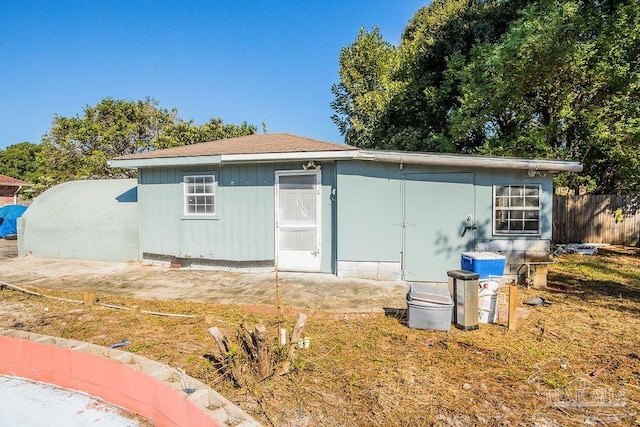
[(488, 300)]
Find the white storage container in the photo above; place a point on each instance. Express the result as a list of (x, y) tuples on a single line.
[(488, 300)]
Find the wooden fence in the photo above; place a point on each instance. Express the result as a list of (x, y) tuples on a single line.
[(596, 219)]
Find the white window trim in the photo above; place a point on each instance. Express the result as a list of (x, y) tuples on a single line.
[(496, 209), (185, 195)]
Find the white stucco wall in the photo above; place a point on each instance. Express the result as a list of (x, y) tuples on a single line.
[(92, 219)]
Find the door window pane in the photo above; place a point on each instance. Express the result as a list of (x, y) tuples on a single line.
[(297, 182), (298, 240), (297, 200)]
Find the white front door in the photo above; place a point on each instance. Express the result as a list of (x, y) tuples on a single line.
[(298, 220)]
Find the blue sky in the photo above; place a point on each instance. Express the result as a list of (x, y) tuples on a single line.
[(256, 60)]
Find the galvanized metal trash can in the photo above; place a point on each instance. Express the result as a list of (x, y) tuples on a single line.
[(429, 307), (464, 287)]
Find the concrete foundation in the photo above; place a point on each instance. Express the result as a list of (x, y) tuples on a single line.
[(372, 270)]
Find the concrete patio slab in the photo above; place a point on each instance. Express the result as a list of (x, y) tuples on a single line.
[(302, 291)]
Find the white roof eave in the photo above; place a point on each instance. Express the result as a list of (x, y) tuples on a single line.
[(452, 160), (457, 160), (164, 161), (232, 158)]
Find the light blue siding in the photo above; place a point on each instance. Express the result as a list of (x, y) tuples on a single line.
[(243, 229), (328, 206), (381, 213), (369, 218), (385, 210), (437, 206)]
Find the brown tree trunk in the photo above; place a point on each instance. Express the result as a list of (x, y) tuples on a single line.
[(262, 350)]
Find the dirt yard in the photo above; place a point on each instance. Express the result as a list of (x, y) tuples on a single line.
[(574, 362)]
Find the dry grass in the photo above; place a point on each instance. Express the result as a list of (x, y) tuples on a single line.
[(376, 371)]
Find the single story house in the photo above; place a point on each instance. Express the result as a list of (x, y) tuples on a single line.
[(299, 204), (9, 188)]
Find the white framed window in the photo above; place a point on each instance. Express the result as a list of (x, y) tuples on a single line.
[(199, 195), (516, 209)]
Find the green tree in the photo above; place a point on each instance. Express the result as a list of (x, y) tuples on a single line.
[(366, 88), (543, 78), (188, 132), (79, 147), (436, 43), (561, 83), (399, 97), (20, 161)]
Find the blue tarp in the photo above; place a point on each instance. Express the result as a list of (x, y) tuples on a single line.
[(8, 216)]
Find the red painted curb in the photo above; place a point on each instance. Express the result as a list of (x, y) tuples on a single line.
[(106, 377)]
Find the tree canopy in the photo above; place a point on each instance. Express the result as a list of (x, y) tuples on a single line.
[(552, 79), (21, 161), (79, 147)]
